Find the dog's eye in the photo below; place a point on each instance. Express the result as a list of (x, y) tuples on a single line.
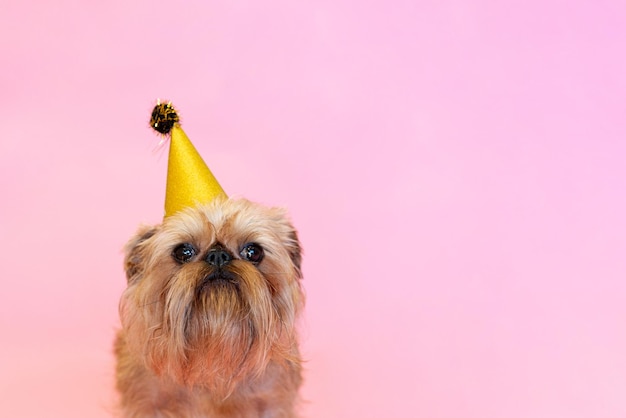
[(252, 252), (184, 252)]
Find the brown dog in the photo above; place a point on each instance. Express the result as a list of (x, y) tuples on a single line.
[(209, 315)]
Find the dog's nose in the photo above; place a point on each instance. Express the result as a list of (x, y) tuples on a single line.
[(218, 257)]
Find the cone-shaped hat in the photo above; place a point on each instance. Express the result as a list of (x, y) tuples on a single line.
[(189, 180)]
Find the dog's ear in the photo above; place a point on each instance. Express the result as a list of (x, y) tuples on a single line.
[(295, 251), (133, 260)]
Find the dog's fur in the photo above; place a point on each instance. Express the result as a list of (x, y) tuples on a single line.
[(195, 347)]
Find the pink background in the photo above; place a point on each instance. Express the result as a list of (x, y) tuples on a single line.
[(457, 171)]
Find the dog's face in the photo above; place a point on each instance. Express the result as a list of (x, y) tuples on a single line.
[(213, 293)]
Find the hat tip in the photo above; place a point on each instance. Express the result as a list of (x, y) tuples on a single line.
[(164, 117)]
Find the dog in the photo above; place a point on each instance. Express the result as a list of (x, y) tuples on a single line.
[(209, 315)]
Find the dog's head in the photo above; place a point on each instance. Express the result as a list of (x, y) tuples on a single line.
[(213, 293)]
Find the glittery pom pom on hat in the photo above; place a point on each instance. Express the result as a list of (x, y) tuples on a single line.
[(189, 180)]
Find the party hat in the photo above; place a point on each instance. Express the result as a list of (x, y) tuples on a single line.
[(189, 180)]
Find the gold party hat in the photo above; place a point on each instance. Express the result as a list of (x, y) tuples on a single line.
[(189, 180)]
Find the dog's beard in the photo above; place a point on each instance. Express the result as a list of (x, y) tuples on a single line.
[(209, 327)]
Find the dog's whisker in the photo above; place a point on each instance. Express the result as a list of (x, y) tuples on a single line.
[(149, 303)]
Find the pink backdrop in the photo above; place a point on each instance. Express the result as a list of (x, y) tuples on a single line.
[(456, 169)]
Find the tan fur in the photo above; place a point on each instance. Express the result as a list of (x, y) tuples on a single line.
[(188, 349)]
